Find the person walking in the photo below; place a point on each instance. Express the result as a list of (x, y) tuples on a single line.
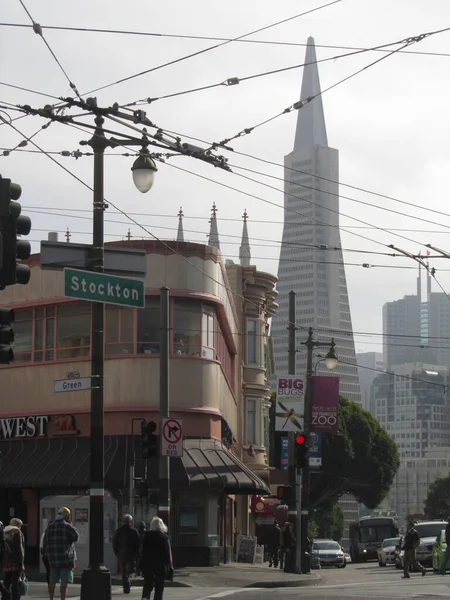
[(59, 548), (126, 545), (142, 528), (13, 564), (289, 547), (410, 542), (4, 592), (45, 560), (273, 544), (446, 556), (156, 559)]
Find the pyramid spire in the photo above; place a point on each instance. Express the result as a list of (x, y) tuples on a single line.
[(244, 250), (213, 231), (311, 130), (180, 234)]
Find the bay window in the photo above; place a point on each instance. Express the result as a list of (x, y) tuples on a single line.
[(186, 327), (208, 332), (250, 421), (252, 354), (119, 330), (148, 334), (73, 330)]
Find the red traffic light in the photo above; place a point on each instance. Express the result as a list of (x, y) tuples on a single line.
[(299, 438)]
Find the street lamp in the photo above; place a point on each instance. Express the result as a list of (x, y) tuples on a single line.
[(96, 579), (330, 359)]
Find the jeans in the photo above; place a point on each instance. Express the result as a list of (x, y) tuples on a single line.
[(10, 582), (445, 560), (154, 579), (410, 558), (127, 567)]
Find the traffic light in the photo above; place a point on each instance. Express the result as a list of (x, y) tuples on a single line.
[(149, 439), (286, 493), (13, 224), (6, 336), (301, 454)]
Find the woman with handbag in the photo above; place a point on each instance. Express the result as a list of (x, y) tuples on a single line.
[(156, 559), (13, 565)]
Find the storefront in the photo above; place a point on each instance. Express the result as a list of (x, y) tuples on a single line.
[(48, 455)]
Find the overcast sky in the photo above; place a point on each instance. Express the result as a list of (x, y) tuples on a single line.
[(390, 123)]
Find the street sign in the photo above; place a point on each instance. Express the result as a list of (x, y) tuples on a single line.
[(123, 262), (101, 287), (171, 437), (72, 385)]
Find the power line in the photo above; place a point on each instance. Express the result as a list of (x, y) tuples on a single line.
[(38, 30), (211, 38), (24, 89), (182, 58)]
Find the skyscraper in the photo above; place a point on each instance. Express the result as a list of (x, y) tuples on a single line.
[(311, 224)]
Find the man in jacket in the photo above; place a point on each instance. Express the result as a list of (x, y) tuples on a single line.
[(410, 542), (59, 547), (126, 544), (13, 564), (4, 592), (446, 556)]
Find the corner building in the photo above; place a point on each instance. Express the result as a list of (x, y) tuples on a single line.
[(44, 436)]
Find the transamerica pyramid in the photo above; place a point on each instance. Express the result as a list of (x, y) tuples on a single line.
[(315, 274)]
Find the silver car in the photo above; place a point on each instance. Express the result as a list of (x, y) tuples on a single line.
[(386, 554), (329, 553)]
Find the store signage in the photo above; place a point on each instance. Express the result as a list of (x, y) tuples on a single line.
[(20, 427)]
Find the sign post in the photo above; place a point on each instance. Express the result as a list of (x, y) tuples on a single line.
[(171, 437)]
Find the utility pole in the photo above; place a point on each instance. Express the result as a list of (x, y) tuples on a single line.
[(96, 580), (164, 461)]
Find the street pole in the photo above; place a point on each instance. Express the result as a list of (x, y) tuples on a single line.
[(96, 579), (164, 461), (310, 344)]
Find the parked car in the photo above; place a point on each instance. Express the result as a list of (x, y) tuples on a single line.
[(348, 558), (386, 554), (438, 551), (329, 553)]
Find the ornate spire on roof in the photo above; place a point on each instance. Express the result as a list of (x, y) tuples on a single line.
[(311, 130), (180, 234), (244, 250), (213, 231)]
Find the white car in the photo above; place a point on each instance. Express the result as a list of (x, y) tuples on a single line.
[(386, 554)]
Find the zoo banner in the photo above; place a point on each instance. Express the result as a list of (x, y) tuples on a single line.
[(325, 404)]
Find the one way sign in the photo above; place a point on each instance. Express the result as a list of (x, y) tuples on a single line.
[(171, 437)]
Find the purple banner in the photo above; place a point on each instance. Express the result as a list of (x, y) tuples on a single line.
[(325, 404)]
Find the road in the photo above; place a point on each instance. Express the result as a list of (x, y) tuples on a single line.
[(355, 582)]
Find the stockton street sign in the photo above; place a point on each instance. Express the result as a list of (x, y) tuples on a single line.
[(101, 287)]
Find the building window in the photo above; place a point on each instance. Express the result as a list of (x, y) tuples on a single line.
[(250, 421), (186, 327), (119, 330), (251, 342), (208, 333), (23, 336), (148, 336), (73, 330)]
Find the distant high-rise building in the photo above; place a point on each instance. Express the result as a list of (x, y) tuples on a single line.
[(369, 366), (416, 328), (311, 262)]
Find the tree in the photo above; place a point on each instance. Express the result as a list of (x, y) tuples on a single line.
[(437, 502), (361, 459), (330, 521)]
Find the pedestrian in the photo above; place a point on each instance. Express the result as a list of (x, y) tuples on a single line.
[(156, 559), (4, 592), (13, 564), (289, 547), (59, 548), (45, 560), (446, 556), (142, 528), (273, 544), (411, 541), (126, 545)]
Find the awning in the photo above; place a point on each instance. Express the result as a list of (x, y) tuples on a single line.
[(61, 462), (64, 463)]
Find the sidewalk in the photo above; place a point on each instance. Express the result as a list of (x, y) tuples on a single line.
[(232, 575), (240, 575)]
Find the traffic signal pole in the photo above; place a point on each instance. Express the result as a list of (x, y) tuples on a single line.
[(164, 461), (310, 345)]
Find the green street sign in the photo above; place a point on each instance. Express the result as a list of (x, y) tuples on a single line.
[(101, 287)]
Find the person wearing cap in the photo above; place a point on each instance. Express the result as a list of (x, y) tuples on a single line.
[(59, 547), (126, 544), (13, 564), (446, 557)]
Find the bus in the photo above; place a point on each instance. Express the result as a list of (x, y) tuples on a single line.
[(367, 534)]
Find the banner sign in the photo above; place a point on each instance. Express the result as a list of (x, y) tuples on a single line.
[(315, 450), (325, 404), (290, 407), (284, 458)]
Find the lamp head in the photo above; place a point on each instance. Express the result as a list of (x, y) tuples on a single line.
[(331, 359), (144, 169)]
